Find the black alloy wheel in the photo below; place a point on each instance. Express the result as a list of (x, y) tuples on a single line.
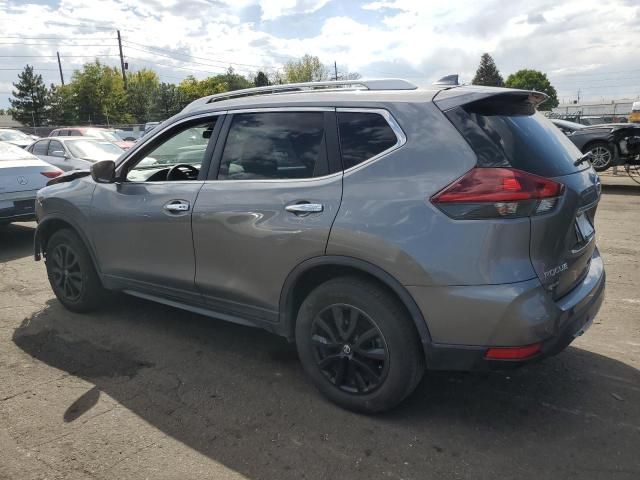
[(349, 349), (66, 272)]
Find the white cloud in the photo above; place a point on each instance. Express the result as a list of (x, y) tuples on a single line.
[(421, 40)]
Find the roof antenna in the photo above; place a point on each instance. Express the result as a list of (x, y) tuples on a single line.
[(448, 81)]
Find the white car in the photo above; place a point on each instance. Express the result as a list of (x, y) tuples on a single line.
[(21, 176)]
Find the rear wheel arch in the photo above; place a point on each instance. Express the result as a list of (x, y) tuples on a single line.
[(315, 271)]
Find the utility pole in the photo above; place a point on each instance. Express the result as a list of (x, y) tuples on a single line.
[(578, 95), (124, 75), (60, 68), (335, 69)]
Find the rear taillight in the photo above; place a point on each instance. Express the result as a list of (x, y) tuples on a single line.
[(52, 173), (513, 353), (498, 193)]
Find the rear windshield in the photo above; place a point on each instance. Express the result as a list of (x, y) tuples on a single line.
[(513, 136)]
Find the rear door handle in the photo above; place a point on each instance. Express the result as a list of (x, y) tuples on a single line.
[(303, 209), (177, 206)]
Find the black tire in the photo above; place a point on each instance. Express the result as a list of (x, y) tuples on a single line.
[(334, 356), (603, 154), (71, 272)]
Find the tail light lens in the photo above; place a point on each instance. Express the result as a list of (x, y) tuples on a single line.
[(52, 173), (513, 353), (498, 193)]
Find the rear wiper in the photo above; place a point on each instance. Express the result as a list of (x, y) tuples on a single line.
[(580, 160)]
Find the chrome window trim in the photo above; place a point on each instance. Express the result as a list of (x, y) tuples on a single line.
[(393, 124)]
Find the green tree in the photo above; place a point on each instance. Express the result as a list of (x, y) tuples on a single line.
[(233, 80), (534, 80), (141, 90), (2, 111), (29, 98), (62, 106), (100, 95), (169, 100), (487, 73), (261, 80), (191, 88), (307, 69)]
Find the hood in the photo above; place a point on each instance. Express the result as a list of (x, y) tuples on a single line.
[(124, 144)]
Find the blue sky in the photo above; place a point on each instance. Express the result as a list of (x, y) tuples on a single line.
[(586, 45)]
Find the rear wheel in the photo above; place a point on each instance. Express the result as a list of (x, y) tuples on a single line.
[(358, 345), (602, 155), (71, 273)]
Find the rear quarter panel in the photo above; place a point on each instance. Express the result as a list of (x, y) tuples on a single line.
[(386, 217)]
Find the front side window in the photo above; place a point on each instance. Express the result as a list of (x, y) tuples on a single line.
[(363, 135), (274, 145), (178, 156), (40, 148), (55, 146)]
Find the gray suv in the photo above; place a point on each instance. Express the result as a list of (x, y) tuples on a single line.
[(384, 228)]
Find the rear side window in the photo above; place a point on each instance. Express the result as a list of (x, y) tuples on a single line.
[(40, 148), (516, 136), (275, 145), (363, 136)]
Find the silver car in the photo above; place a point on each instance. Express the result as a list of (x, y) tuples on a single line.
[(21, 176), (385, 229), (74, 153)]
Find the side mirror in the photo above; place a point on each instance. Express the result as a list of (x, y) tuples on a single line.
[(104, 171), (58, 153)]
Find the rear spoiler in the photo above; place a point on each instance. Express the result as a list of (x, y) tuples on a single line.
[(463, 95)]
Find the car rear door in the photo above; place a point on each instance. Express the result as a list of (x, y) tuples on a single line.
[(505, 131), (268, 207)]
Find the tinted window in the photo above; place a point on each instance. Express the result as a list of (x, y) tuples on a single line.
[(40, 148), (362, 136), (54, 133), (274, 145), (519, 139), (55, 145)]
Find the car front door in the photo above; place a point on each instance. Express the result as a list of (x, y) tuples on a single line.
[(142, 222), (58, 156), (273, 192)]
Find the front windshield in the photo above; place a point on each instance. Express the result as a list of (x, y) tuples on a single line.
[(94, 150), (107, 135), (13, 135)]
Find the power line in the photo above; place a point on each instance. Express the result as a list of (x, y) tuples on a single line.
[(53, 56), (178, 67), (57, 44), (223, 62)]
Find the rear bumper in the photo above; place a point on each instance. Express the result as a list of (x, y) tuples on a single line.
[(18, 207), (561, 322)]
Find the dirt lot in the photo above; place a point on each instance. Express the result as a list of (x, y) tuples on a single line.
[(145, 391)]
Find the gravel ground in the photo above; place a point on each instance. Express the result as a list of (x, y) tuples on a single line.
[(141, 390)]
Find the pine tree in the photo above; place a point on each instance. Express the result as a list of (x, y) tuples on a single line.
[(487, 73), (30, 98), (261, 80)]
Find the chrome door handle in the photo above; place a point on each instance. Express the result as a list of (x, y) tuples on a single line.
[(302, 209), (176, 206)]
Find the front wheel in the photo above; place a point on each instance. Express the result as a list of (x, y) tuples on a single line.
[(71, 273), (358, 345), (602, 155)]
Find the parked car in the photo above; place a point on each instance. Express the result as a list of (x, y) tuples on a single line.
[(609, 144), (21, 176), (634, 117), (15, 137), (74, 153), (94, 132), (385, 229)]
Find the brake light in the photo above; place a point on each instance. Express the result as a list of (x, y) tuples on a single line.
[(52, 173), (496, 193), (513, 353)]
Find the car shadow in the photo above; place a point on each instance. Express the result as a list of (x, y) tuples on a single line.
[(239, 396), (16, 241)]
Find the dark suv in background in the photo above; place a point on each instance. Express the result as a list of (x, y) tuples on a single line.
[(385, 229)]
